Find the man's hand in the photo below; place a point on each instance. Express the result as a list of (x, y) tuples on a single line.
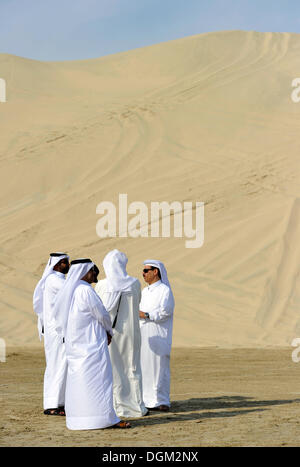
[(142, 315)]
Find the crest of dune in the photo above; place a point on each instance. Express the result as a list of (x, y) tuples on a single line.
[(205, 118)]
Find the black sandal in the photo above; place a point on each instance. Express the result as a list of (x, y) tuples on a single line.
[(160, 408)]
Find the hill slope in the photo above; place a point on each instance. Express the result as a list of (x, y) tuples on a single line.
[(206, 118)]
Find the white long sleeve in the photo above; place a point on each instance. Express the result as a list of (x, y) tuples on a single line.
[(157, 300), (164, 308), (99, 311)]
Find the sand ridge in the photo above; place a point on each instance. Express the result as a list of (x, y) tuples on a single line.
[(205, 118)]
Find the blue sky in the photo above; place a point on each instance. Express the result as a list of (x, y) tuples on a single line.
[(81, 29)]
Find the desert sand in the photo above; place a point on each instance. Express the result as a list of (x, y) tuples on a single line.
[(207, 118), (219, 397)]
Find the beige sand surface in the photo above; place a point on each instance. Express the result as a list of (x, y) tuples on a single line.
[(206, 118), (232, 397)]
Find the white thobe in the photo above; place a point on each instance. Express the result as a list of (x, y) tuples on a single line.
[(125, 349), (89, 390), (156, 335), (56, 362)]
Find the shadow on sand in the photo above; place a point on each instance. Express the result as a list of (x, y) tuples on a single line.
[(198, 409)]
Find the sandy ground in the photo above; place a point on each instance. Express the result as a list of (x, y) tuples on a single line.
[(206, 118), (232, 397)]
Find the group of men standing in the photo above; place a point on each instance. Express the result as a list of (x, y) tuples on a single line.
[(107, 348)]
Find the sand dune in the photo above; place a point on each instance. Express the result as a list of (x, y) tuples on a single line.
[(206, 118)]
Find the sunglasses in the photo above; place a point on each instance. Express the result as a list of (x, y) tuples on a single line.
[(146, 270)]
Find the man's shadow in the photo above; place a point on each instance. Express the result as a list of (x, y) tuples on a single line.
[(198, 409)]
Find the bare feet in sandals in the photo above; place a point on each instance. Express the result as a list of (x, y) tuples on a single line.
[(121, 425), (58, 411)]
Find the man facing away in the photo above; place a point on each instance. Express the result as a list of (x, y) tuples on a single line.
[(156, 323), (43, 303), (86, 327), (120, 294)]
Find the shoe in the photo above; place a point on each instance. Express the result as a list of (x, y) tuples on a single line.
[(160, 408)]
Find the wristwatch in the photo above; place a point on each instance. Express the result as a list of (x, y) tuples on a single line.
[(147, 315)]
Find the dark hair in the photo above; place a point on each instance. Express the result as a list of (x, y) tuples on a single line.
[(158, 272)]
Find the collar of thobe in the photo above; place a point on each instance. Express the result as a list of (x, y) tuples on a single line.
[(78, 270), (114, 265), (85, 283), (39, 290), (154, 285), (60, 274)]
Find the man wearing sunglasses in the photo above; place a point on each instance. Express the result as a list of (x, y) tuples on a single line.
[(156, 324)]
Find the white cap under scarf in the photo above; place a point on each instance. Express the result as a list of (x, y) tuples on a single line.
[(163, 272), (38, 294), (114, 265), (78, 269)]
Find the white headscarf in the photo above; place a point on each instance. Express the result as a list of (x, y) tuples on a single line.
[(163, 272), (40, 287), (114, 265), (78, 270)]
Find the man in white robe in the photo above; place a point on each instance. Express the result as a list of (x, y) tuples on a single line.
[(86, 327), (56, 363), (121, 294), (156, 323)]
